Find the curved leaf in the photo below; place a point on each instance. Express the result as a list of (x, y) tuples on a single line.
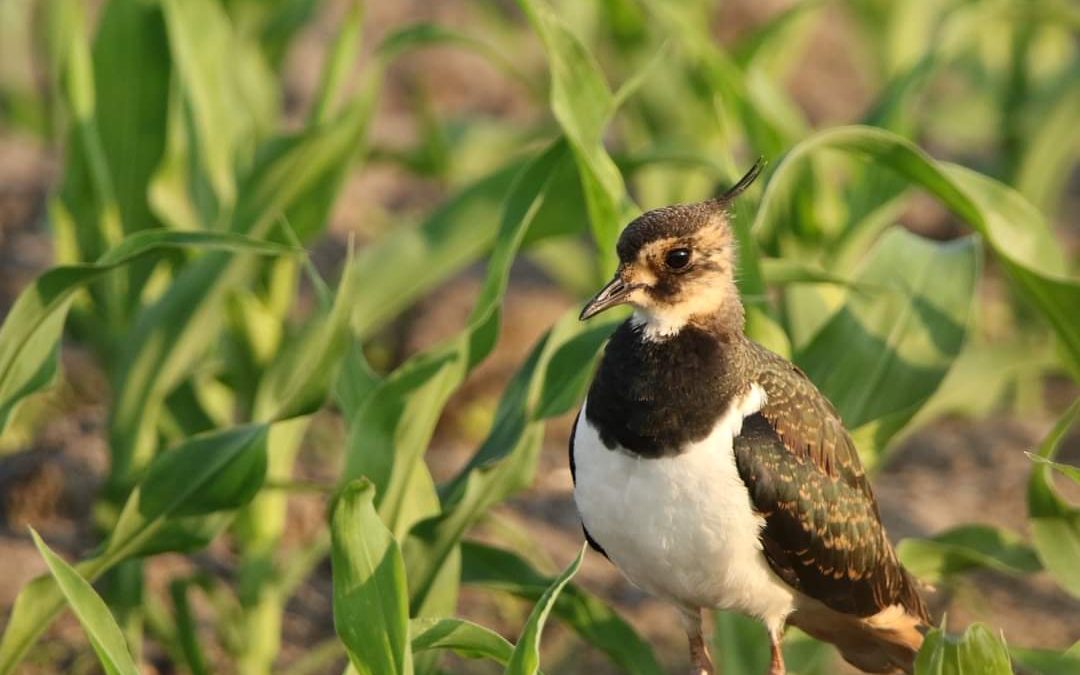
[(526, 657), (967, 547), (1055, 524), (30, 335), (1011, 227), (464, 638), (899, 332), (582, 103), (976, 651), (371, 607), (100, 626), (220, 470), (587, 615)]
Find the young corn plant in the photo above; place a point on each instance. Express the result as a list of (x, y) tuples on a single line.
[(180, 257)]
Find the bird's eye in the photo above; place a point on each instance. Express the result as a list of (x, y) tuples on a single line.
[(677, 258)]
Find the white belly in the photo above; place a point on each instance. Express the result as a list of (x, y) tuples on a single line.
[(681, 527)]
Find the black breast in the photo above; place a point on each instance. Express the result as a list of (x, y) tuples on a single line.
[(653, 398)]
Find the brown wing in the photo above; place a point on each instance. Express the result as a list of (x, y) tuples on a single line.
[(823, 534)]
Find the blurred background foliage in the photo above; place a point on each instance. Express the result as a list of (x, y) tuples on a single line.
[(251, 206)]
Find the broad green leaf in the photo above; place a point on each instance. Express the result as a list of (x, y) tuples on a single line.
[(1055, 524), (583, 104), (30, 335), (462, 637), (526, 657), (980, 377), (967, 547), (1051, 149), (899, 332), (105, 636), (389, 435), (1012, 228), (596, 623), (976, 651), (371, 608)]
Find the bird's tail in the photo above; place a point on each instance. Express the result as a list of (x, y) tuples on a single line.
[(886, 642)]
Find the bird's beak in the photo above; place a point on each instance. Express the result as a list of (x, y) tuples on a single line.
[(614, 293)]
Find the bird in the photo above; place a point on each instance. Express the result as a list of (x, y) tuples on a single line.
[(714, 474)]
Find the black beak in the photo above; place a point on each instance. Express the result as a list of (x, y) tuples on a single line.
[(614, 293)]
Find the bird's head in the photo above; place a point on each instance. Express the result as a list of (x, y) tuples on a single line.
[(677, 266)]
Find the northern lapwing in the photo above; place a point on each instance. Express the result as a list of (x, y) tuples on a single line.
[(714, 474)]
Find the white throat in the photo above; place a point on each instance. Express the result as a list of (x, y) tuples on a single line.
[(656, 327)]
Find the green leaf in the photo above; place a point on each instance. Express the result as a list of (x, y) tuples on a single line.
[(1012, 228), (299, 380), (967, 547), (220, 470), (407, 262), (506, 460), (30, 335), (371, 608), (526, 657), (583, 104), (90, 610), (596, 623), (1045, 661), (462, 637), (341, 57), (389, 435), (899, 331), (131, 78), (201, 40), (295, 177), (976, 651), (1055, 524), (1068, 470)]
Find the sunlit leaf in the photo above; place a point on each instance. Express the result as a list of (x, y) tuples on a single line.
[(967, 547), (30, 335), (89, 608), (371, 608), (899, 331), (1011, 227), (976, 651), (526, 657), (462, 637), (588, 616)]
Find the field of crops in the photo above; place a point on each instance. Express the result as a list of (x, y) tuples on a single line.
[(290, 346)]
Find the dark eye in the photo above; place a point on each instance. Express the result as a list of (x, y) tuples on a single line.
[(677, 258)]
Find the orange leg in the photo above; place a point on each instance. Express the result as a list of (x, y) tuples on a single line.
[(776, 665)]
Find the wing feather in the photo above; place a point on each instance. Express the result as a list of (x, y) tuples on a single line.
[(823, 533)]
